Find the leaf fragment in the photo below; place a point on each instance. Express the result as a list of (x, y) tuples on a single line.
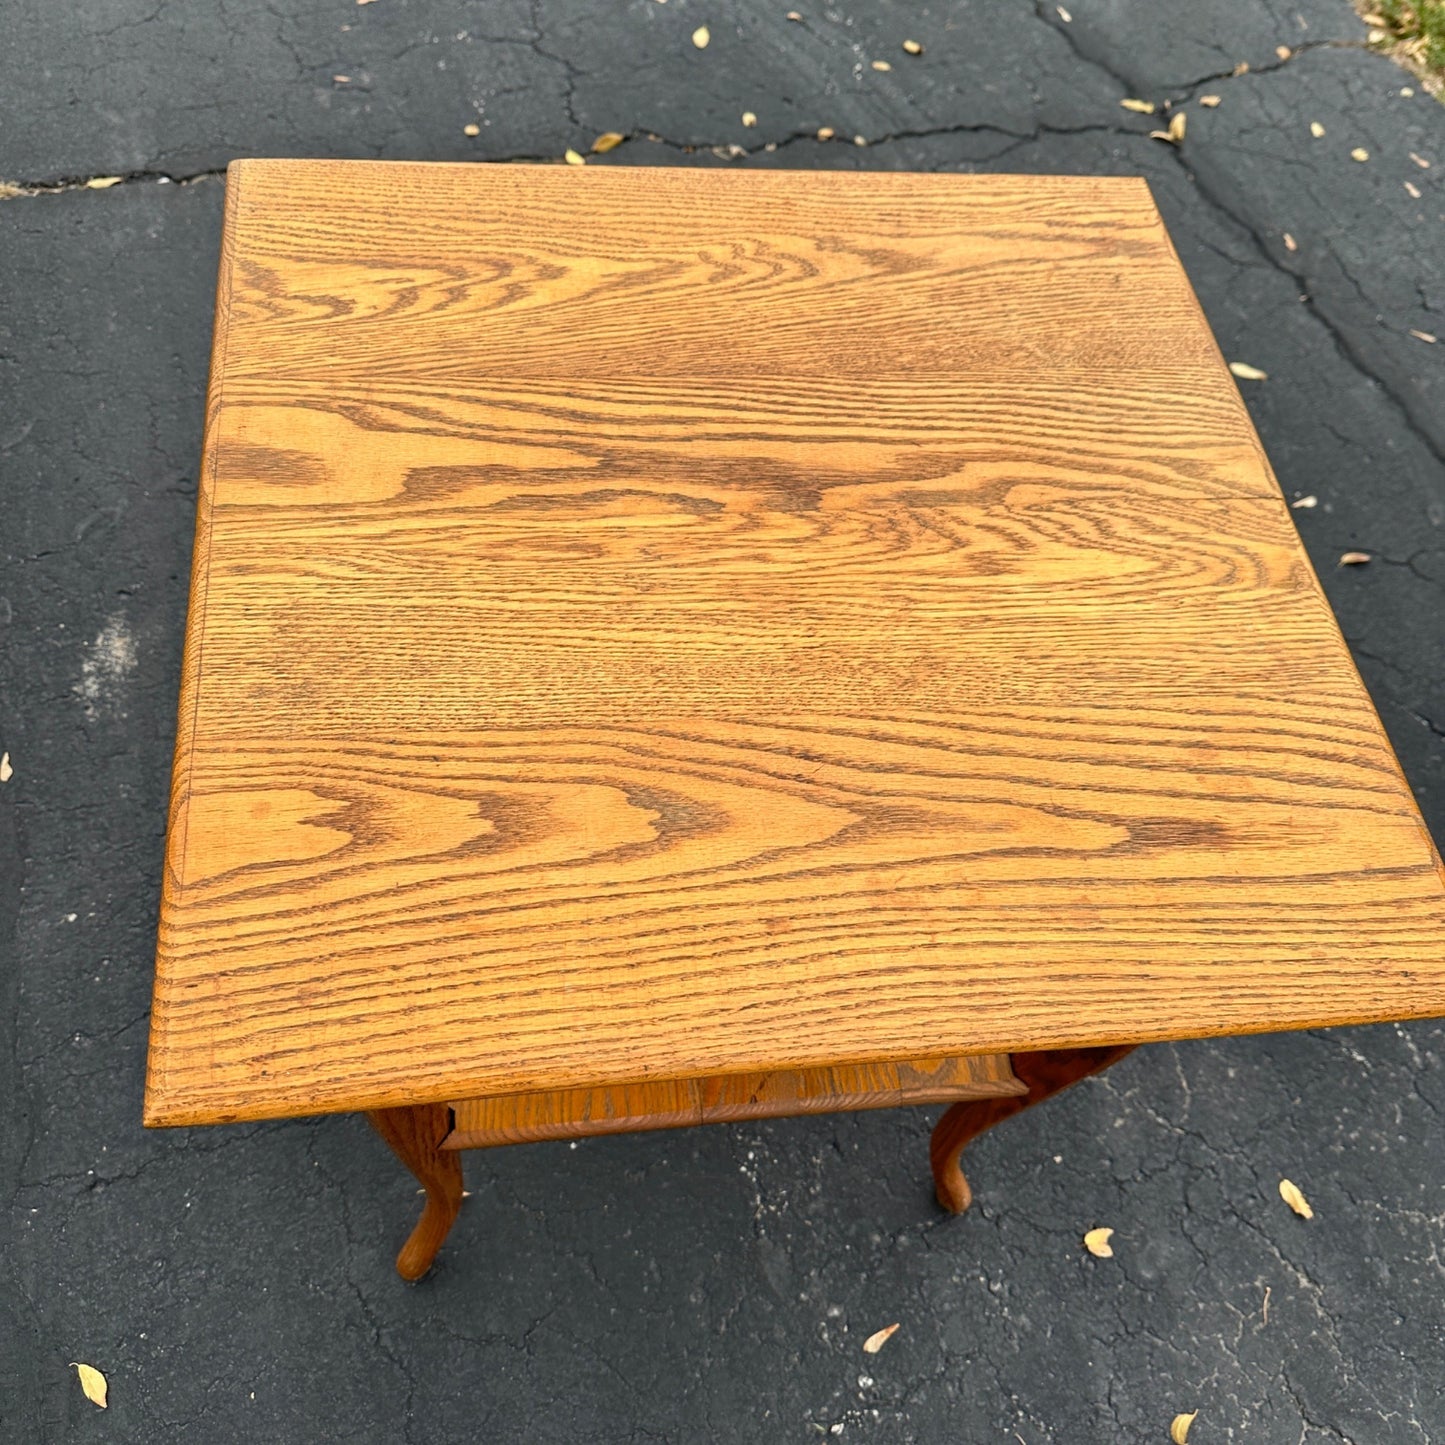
[(1287, 1191), (1096, 1241), (1144, 107), (1290, 244), (1309, 501), (1359, 154), (749, 119), (609, 140), (826, 132), (6, 771), (1210, 101), (1063, 14), (1413, 189), (1241, 69), (573, 158), (1177, 125), (1316, 129), (881, 65), (1407, 91), (1418, 335), (860, 140), (472, 129), (913, 47), (102, 183), (879, 1338), (793, 15), (1420, 161), (701, 36), (1179, 1427), (92, 1383), (1283, 52), (1245, 372)]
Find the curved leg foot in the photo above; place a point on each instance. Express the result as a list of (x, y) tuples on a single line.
[(415, 1133), (1044, 1073)]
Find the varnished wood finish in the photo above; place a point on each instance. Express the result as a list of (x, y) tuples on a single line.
[(1042, 1074), (416, 1134), (623, 1108), (656, 624)]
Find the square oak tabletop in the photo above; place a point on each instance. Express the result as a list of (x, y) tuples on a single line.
[(650, 623)]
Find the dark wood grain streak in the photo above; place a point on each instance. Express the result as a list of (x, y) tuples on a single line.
[(655, 625)]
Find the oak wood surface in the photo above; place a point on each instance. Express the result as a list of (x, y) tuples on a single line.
[(622, 1108), (652, 624)]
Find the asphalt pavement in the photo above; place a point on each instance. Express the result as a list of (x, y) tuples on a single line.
[(714, 1285)]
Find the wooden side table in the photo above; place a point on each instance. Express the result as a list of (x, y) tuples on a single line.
[(669, 646)]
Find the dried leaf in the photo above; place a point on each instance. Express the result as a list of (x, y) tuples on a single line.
[(1096, 1241), (609, 140), (1246, 372), (1179, 1427), (6, 771), (1177, 125), (1407, 91), (749, 119), (1310, 501), (1241, 69), (1290, 244), (1287, 1191), (913, 47), (342, 79), (473, 129), (1413, 189), (101, 183), (92, 1382), (876, 1341), (573, 159), (826, 132), (1359, 154), (1283, 51), (365, 2), (701, 36), (1210, 101), (793, 15), (1418, 335), (1316, 129), (1144, 107), (860, 140), (881, 65), (1420, 161), (1063, 14)]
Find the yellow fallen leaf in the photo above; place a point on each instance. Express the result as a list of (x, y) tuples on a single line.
[(701, 36), (101, 183), (749, 118), (1096, 1241), (1290, 244), (913, 47), (1246, 372), (609, 140), (1287, 1191), (881, 65), (1210, 101), (876, 1341), (825, 132), (1418, 335), (1283, 51), (92, 1382), (473, 129), (1144, 107), (1179, 1427), (1359, 154), (573, 158), (1316, 129), (6, 771)]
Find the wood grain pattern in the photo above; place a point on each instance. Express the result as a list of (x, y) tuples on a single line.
[(624, 1108), (650, 625)]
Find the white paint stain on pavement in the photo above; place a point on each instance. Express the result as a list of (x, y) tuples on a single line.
[(109, 660)]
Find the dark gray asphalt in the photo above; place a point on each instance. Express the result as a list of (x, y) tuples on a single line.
[(711, 1286)]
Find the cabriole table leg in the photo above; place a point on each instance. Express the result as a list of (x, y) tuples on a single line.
[(1044, 1073), (415, 1133)]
